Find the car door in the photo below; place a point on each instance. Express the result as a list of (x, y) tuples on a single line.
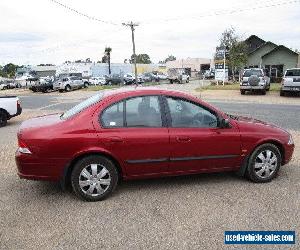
[(197, 142), (135, 132)]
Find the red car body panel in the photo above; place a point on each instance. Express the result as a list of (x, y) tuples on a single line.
[(140, 152)]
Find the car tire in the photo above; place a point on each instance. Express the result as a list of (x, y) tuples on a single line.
[(282, 93), (243, 92), (86, 85), (3, 118), (264, 163), (86, 182), (67, 88), (171, 81), (187, 80), (263, 92)]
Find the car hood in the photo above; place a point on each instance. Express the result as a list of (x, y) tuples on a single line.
[(41, 121), (244, 122)]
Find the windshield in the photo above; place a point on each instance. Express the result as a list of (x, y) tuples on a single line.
[(256, 72), (81, 106)]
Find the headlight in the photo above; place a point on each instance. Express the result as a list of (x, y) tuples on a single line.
[(291, 141)]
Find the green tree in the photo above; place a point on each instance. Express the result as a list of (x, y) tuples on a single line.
[(236, 56), (107, 53), (9, 70), (170, 58), (141, 58)]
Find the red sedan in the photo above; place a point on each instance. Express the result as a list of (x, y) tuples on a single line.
[(141, 133)]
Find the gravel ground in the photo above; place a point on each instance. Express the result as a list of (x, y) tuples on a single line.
[(190, 212)]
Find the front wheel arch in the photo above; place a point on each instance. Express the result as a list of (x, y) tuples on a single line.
[(66, 178), (244, 165)]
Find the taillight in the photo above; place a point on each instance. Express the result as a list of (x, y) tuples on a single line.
[(18, 104), (23, 148)]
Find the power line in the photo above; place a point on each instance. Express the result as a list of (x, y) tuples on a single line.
[(224, 12), (83, 14)]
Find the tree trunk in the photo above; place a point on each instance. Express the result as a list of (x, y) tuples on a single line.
[(108, 59)]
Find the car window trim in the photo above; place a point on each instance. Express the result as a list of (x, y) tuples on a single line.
[(169, 117), (161, 106)]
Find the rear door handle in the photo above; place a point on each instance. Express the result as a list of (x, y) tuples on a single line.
[(115, 139), (183, 139)]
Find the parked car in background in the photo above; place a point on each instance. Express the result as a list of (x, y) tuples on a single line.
[(129, 78), (161, 76), (98, 80), (69, 83), (290, 82), (178, 75), (209, 74), (9, 107), (4, 85), (254, 79), (146, 132), (44, 85), (114, 79), (150, 77)]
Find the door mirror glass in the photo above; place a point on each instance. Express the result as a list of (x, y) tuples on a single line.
[(224, 123)]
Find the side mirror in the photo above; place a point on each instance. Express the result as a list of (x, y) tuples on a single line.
[(224, 123)]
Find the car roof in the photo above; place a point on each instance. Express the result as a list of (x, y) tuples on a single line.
[(135, 91)]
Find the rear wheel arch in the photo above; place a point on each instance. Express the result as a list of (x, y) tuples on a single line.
[(66, 178)]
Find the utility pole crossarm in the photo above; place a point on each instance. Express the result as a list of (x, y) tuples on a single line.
[(132, 27)]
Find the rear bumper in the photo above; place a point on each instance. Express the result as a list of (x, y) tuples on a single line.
[(32, 168), (19, 111), (248, 87), (291, 88)]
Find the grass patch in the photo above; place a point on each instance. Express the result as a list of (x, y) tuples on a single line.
[(236, 86), (101, 87), (275, 87)]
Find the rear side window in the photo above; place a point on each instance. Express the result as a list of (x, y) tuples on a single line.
[(143, 112), (293, 72), (113, 115)]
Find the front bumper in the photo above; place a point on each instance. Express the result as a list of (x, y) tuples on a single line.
[(289, 150)]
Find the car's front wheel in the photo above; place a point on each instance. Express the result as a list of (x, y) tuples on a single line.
[(264, 163), (94, 178)]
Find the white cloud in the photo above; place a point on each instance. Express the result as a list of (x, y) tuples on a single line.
[(33, 32)]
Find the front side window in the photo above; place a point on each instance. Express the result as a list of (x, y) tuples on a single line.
[(185, 114), (143, 112), (292, 72), (113, 115)]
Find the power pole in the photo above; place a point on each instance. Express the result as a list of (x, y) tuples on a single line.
[(132, 27)]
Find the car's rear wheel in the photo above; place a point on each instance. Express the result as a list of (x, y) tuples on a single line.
[(264, 163), (94, 178), (281, 93), (263, 92), (243, 92), (3, 118), (86, 85)]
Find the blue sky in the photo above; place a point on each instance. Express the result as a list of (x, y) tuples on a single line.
[(33, 32)]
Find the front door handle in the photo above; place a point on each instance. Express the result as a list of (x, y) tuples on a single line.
[(115, 139), (183, 139)]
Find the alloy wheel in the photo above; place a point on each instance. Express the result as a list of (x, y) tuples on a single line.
[(94, 179), (265, 164)]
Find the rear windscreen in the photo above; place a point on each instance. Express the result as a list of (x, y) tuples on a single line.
[(252, 72), (292, 72)]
